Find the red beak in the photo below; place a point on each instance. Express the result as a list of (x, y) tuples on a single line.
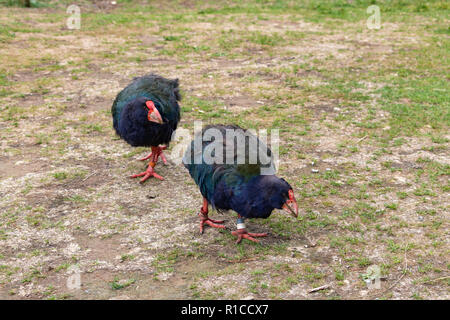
[(153, 113), (291, 204)]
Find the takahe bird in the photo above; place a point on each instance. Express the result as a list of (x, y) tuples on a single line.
[(146, 113), (231, 180)]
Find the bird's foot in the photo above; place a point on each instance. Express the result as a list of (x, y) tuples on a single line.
[(204, 219), (146, 157), (155, 154), (150, 172), (243, 234)]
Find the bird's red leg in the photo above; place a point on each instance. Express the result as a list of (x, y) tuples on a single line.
[(155, 154), (242, 233), (150, 172), (205, 219)]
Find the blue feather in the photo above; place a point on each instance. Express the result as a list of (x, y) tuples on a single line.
[(130, 112)]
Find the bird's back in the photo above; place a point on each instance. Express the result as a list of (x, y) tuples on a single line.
[(163, 92), (224, 161)]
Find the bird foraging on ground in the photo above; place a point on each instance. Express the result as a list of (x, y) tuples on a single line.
[(235, 171), (145, 114)]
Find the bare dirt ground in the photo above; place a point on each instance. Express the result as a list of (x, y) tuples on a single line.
[(372, 185)]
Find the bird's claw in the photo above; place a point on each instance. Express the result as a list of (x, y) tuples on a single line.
[(163, 157), (150, 172), (204, 219), (243, 234), (146, 157)]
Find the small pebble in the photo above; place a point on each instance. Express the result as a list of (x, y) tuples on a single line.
[(314, 170)]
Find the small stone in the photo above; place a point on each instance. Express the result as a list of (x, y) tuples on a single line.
[(400, 179), (314, 170)]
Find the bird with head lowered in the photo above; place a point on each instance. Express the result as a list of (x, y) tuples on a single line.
[(235, 178)]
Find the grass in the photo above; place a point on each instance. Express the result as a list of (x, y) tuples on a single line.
[(118, 284)]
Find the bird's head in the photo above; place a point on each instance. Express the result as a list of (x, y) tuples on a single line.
[(290, 205), (153, 114), (280, 194)]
